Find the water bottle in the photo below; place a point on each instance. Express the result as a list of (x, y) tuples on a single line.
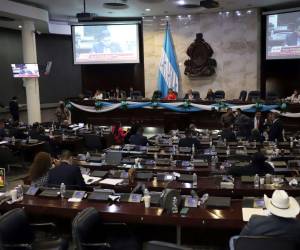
[(171, 157), (19, 192), (254, 143), (155, 156), (174, 206), (228, 151), (174, 149), (213, 148), (194, 180), (291, 142), (216, 159), (87, 156), (13, 140), (193, 149), (256, 181), (213, 161), (62, 190), (147, 147), (225, 141)]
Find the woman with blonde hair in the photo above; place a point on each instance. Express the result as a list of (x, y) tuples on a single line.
[(39, 169)]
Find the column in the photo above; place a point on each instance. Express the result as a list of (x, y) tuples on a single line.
[(31, 84)]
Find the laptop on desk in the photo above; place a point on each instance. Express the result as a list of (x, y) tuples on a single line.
[(113, 158)]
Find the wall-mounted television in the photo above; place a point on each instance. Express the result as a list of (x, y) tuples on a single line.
[(283, 35), (106, 43), (28, 70)]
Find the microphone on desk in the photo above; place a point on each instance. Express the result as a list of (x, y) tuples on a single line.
[(136, 188), (194, 194)]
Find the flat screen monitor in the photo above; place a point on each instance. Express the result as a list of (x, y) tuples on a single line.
[(106, 44), (28, 70), (283, 36)]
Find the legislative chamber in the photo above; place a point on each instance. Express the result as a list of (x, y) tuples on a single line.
[(149, 125)]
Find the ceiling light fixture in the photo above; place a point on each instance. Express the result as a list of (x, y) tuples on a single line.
[(181, 2), (148, 10), (20, 27), (238, 13), (249, 11)]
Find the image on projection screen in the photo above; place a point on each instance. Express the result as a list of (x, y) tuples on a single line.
[(283, 36), (105, 44), (25, 70)]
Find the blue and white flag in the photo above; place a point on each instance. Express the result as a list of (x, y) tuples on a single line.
[(168, 69)]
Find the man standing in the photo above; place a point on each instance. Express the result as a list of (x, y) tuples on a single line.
[(14, 109), (258, 122), (227, 118), (242, 123), (276, 128)]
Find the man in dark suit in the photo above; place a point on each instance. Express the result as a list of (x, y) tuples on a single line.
[(257, 122), (14, 108), (242, 122), (66, 173), (189, 140), (258, 166), (276, 128), (227, 133), (138, 138), (282, 222)]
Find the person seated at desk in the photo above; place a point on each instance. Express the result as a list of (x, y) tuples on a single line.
[(189, 95), (16, 132), (210, 96), (132, 131), (227, 133), (37, 132), (39, 169), (256, 136), (118, 133), (62, 113), (139, 139), (3, 133), (98, 95), (14, 108), (294, 98), (258, 166), (276, 129), (189, 140), (171, 95), (66, 173), (281, 223)]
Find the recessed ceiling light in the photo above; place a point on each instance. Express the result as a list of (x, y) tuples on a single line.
[(189, 16), (20, 27), (167, 16), (181, 2), (238, 13), (148, 10), (179, 17), (249, 11)]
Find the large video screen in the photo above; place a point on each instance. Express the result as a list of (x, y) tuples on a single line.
[(105, 44), (25, 70), (283, 36)]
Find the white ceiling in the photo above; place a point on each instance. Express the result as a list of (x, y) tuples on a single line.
[(67, 9)]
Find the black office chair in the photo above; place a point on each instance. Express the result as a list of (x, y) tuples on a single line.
[(136, 95), (159, 245), (263, 243), (219, 94), (157, 94), (93, 142), (89, 233), (253, 96), (16, 233), (243, 95), (271, 96), (196, 94)]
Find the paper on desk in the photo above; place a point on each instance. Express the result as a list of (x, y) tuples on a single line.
[(3, 142), (90, 179), (248, 212), (110, 181)]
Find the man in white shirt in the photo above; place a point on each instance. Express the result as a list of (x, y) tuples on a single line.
[(294, 98)]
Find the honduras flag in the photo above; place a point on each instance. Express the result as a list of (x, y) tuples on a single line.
[(168, 69)]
